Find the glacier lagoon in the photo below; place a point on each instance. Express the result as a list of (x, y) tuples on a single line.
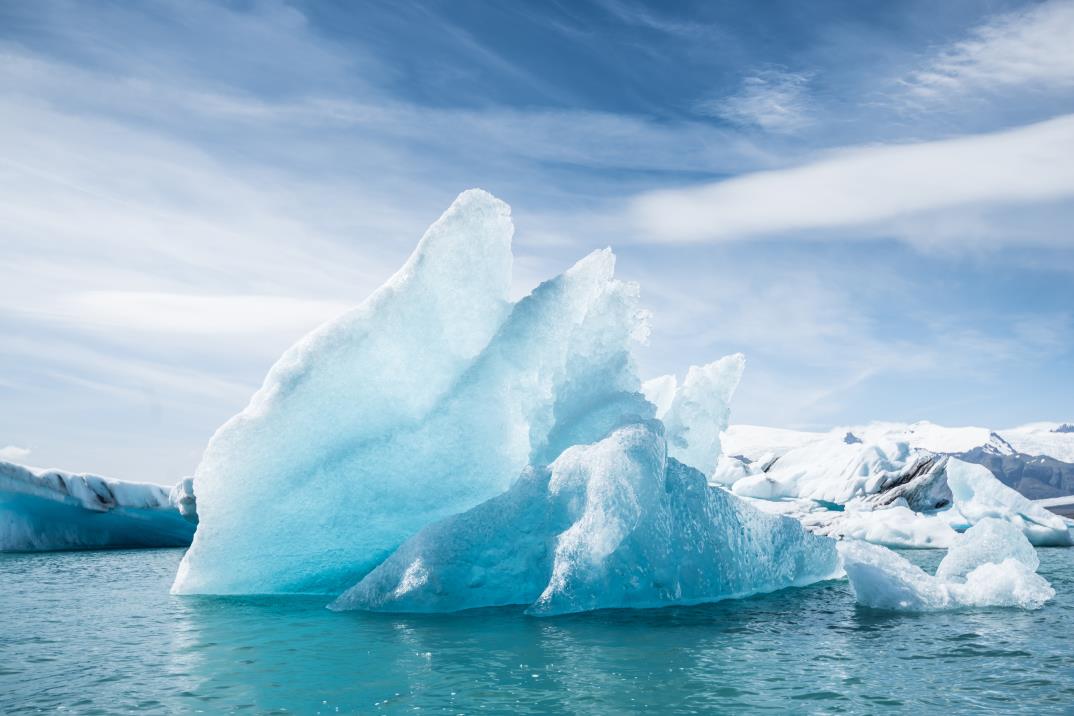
[(98, 633), (439, 448)]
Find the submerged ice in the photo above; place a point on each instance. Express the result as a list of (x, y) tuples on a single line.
[(617, 523), (991, 565)]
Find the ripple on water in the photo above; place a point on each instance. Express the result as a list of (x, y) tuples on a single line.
[(97, 632)]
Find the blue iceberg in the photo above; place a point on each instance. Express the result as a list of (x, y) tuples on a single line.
[(422, 407), (56, 510), (617, 523), (424, 401)]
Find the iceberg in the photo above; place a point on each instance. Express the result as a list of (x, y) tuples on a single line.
[(617, 523), (991, 565), (872, 484), (426, 400), (57, 510), (977, 495), (423, 406), (1037, 460), (699, 409)]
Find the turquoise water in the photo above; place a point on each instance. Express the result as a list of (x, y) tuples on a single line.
[(97, 632)]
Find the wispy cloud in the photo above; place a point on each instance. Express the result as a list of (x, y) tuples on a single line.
[(870, 185), (1027, 48), (207, 315), (773, 99), (14, 453)]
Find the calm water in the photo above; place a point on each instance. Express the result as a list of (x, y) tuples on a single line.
[(97, 632)]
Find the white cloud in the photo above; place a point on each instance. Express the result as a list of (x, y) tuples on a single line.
[(1027, 47), (14, 453), (774, 100), (197, 314), (869, 186)]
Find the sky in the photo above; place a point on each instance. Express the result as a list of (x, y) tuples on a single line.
[(873, 201)]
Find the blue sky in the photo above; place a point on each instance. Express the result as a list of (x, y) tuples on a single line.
[(873, 201)]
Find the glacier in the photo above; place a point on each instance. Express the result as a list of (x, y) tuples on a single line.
[(57, 510), (618, 523), (992, 564)]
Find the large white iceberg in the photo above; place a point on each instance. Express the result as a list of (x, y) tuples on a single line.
[(56, 510), (874, 485), (1037, 460), (424, 401), (618, 523), (991, 565)]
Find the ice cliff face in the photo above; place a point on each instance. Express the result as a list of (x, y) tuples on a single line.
[(617, 523), (54, 510)]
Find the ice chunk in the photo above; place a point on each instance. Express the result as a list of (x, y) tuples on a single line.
[(978, 494), (54, 510), (992, 564), (183, 497), (699, 411), (860, 481), (729, 470), (990, 540), (423, 402), (660, 391), (612, 524), (834, 471), (894, 526), (883, 579)]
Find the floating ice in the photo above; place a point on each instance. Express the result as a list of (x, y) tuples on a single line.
[(613, 524), (991, 565), (978, 494), (424, 401), (878, 488), (54, 510), (699, 409)]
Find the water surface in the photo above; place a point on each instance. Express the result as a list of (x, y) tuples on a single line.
[(98, 633)]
